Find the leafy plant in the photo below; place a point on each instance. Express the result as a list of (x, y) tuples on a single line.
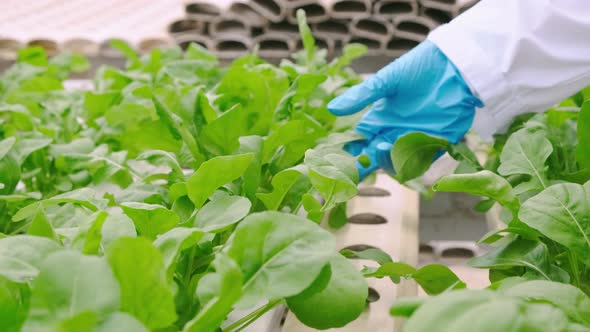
[(537, 171), (168, 195)]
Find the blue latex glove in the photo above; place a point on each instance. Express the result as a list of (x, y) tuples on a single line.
[(420, 91)]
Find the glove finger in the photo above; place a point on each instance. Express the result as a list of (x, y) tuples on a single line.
[(355, 147), (383, 157), (379, 154), (360, 96)]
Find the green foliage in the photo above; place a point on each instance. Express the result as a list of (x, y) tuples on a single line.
[(151, 202), (538, 172)]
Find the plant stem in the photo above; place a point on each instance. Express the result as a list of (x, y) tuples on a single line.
[(251, 317), (573, 261)]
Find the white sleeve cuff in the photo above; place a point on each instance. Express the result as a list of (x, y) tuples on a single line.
[(485, 80)]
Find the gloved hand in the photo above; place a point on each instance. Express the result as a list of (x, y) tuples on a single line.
[(420, 91)]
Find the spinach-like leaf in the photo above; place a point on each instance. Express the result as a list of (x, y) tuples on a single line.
[(148, 298), (335, 302), (279, 254), (214, 173), (561, 212)]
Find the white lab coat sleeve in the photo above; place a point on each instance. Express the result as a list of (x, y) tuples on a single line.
[(519, 55)]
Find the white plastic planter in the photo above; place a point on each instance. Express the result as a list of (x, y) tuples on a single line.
[(384, 215)]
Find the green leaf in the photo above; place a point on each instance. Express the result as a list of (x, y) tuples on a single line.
[(10, 174), (22, 255), (148, 297), (14, 301), (337, 303), (6, 145), (173, 242), (519, 156), (71, 284), (221, 136), (129, 53), (96, 104), (455, 311), (88, 239), (280, 255), (121, 322), (412, 154), (406, 306), (482, 183), (334, 175), (463, 153), (40, 226), (373, 254), (561, 212), (218, 292), (570, 299), (85, 197), (306, 35), (393, 270), (150, 220), (34, 55), (433, 278), (583, 132), (116, 226), (217, 215), (337, 216), (524, 253), (282, 183), (215, 173), (24, 147)]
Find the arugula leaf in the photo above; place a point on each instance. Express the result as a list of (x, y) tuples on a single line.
[(21, 256), (483, 183), (413, 153), (217, 215), (218, 292), (286, 263), (335, 302), (215, 173), (150, 220), (148, 298), (521, 157), (71, 287), (559, 212)]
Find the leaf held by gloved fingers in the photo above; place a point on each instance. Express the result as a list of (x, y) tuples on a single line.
[(412, 154)]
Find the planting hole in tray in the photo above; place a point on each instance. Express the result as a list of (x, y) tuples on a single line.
[(373, 295), (332, 26), (413, 27), (185, 25), (283, 26), (359, 247), (370, 43), (396, 8), (446, 2), (372, 26), (269, 5), (352, 7), (367, 219), (373, 192), (203, 9), (231, 46), (313, 10), (230, 26), (457, 253), (273, 45), (440, 16), (401, 44), (426, 248)]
